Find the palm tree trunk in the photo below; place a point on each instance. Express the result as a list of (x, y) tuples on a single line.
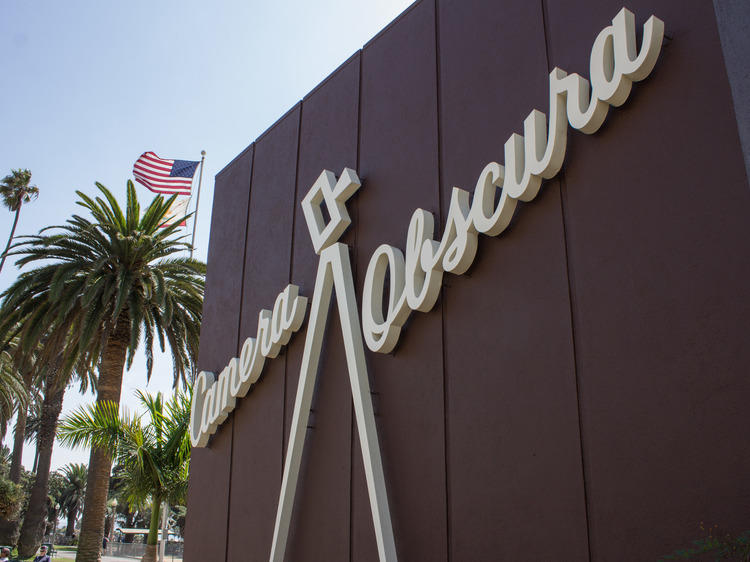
[(149, 555), (9, 531), (109, 522), (100, 463), (129, 523), (50, 527), (71, 527), (19, 435), (12, 232), (33, 527)]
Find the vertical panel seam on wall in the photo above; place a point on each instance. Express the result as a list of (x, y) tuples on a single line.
[(569, 279), (244, 260), (354, 261), (443, 307), (290, 280), (575, 363), (237, 348)]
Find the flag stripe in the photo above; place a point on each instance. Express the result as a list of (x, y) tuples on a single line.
[(155, 166), (145, 174), (162, 190), (147, 171), (183, 186), (156, 174), (154, 158)]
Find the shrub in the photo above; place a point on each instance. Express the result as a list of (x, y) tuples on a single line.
[(11, 497)]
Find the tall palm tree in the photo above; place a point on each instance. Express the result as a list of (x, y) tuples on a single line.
[(15, 191), (31, 325), (73, 491), (35, 519), (14, 398), (33, 404), (16, 395), (154, 453), (111, 281)]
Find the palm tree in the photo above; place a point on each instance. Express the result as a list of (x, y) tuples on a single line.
[(111, 282), (15, 191), (73, 491), (12, 390), (14, 398), (34, 521), (30, 325), (154, 453), (33, 425), (135, 517), (32, 403), (16, 395), (56, 486)]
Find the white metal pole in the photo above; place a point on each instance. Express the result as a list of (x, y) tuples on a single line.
[(197, 202)]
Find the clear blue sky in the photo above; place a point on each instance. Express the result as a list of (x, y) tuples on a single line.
[(89, 86)]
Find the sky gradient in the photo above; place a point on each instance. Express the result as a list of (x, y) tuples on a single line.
[(89, 86)]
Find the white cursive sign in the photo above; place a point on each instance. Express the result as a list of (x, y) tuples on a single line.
[(214, 399), (415, 278)]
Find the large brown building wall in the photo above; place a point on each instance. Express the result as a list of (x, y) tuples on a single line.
[(581, 393)]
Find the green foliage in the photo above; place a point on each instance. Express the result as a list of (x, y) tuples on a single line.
[(5, 460), (120, 267), (14, 192), (12, 390), (153, 453), (54, 491), (722, 544), (11, 498), (15, 189), (33, 419), (179, 516), (56, 486), (73, 487)]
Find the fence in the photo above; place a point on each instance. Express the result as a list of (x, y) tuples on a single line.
[(173, 551)]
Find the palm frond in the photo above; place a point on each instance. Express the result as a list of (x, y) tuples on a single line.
[(98, 425)]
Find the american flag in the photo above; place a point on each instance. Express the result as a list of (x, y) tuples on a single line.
[(162, 175)]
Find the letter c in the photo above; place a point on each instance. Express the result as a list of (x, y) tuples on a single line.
[(198, 438)]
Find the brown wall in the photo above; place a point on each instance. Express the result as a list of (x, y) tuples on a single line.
[(581, 393)]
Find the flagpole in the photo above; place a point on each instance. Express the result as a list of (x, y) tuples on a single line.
[(197, 202)]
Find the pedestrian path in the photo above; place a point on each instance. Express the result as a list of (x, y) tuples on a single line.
[(113, 558), (107, 558)]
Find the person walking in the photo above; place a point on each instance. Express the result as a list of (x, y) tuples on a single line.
[(43, 556)]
